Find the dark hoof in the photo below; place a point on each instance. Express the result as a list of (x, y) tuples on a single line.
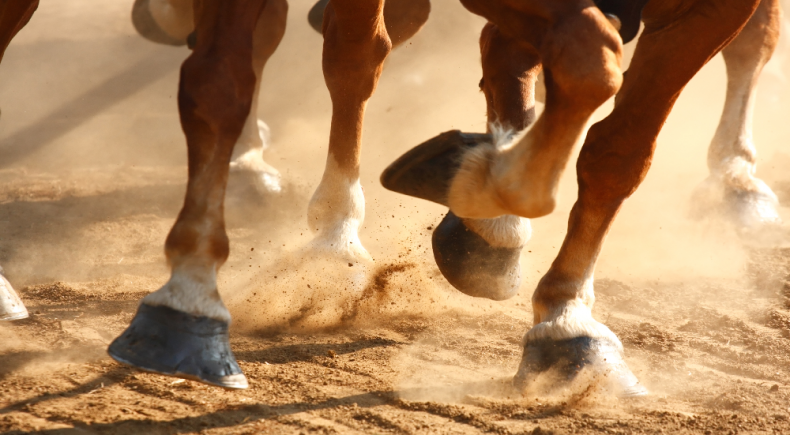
[(170, 342), (316, 15), (147, 27), (427, 169), (11, 306), (629, 12), (473, 266), (567, 358)]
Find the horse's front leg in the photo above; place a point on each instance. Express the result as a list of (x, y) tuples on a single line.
[(182, 328), (356, 44), (613, 162)]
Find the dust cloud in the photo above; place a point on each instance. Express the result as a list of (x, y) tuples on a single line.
[(94, 125)]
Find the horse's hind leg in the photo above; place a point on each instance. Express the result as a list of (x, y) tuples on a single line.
[(254, 138), (355, 47), (182, 328), (480, 257), (13, 16), (732, 155)]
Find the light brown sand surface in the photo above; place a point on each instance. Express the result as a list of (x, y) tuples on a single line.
[(92, 172)]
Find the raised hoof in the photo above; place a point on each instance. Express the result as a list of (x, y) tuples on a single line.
[(426, 170), (11, 306), (565, 359), (316, 15), (472, 265), (147, 27), (170, 342)]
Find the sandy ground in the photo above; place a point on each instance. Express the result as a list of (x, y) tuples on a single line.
[(92, 176)]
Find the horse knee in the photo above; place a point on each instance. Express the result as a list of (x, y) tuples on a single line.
[(582, 56), (356, 43)]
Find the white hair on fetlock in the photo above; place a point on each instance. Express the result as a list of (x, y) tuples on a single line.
[(506, 231), (193, 290), (574, 319), (471, 193)]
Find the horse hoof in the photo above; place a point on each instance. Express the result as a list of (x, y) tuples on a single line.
[(426, 170), (752, 210), (316, 15), (567, 358), (11, 306), (472, 265), (173, 343), (147, 27)]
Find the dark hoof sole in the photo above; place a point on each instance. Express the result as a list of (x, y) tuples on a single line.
[(147, 27), (473, 266), (567, 358), (170, 342), (316, 15), (426, 170)]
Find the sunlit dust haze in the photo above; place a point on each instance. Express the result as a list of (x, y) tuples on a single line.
[(93, 168)]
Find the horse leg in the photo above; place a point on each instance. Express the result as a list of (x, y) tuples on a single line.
[(402, 18), (480, 257), (674, 46), (13, 17), (732, 155), (182, 328), (254, 139), (355, 47), (484, 177)]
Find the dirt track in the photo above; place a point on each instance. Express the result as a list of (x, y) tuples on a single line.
[(95, 178)]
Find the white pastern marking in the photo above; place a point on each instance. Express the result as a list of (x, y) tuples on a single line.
[(248, 155), (570, 319), (492, 181), (193, 290), (507, 231), (336, 212)]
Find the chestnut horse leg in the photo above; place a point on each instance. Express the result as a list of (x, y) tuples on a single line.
[(402, 18), (182, 328), (480, 257), (581, 55), (615, 158), (13, 17), (487, 177), (171, 22), (732, 155), (248, 152), (355, 46)]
